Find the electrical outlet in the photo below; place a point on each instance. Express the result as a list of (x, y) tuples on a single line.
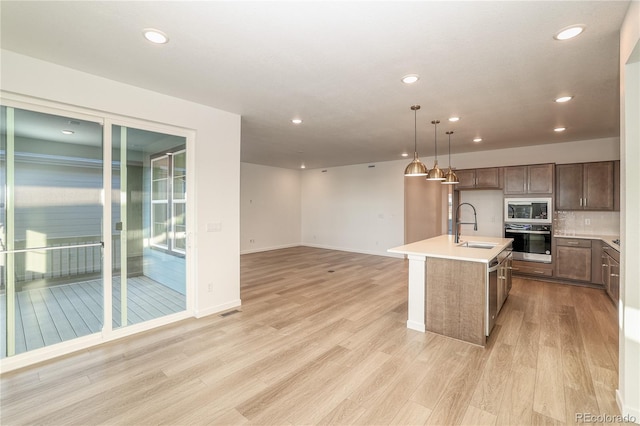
[(210, 287), (587, 221), (251, 241)]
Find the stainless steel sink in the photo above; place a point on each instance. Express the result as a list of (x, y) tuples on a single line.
[(477, 244)]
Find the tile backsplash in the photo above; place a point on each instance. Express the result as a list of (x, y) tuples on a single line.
[(586, 223)]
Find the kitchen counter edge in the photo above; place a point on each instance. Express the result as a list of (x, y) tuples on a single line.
[(444, 247), (607, 239)]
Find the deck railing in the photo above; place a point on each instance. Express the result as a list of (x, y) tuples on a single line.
[(82, 257)]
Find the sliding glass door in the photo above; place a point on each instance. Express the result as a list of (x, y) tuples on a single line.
[(148, 181), (50, 229), (54, 283)]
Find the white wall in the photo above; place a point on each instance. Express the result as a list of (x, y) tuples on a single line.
[(216, 152), (489, 209), (629, 335), (269, 208), (354, 208)]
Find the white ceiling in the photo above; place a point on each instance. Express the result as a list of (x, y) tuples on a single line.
[(337, 65)]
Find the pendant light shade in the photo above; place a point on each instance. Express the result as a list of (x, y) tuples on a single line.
[(436, 173), (450, 178), (416, 167)]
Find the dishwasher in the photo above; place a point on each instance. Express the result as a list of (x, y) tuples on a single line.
[(492, 295)]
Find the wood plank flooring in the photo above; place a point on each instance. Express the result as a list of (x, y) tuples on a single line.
[(53, 314), (321, 339)]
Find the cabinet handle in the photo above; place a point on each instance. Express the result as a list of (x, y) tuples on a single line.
[(580, 201), (539, 272), (614, 275), (585, 201), (573, 243), (604, 264)]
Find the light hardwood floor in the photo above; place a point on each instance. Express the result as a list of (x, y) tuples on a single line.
[(321, 339)]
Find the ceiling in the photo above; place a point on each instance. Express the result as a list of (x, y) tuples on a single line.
[(337, 65)]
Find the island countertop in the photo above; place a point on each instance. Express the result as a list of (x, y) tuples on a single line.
[(444, 247)]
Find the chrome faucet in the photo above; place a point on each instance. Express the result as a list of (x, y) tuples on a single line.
[(474, 223)]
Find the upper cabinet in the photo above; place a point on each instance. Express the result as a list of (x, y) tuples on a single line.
[(585, 186), (487, 178), (534, 179)]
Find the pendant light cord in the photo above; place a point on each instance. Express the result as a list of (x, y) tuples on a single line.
[(450, 133), (415, 130), (435, 135)]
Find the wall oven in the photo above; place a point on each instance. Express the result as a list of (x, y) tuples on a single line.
[(531, 242), (528, 210)]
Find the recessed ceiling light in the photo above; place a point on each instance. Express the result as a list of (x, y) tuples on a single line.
[(559, 129), (296, 121), (569, 32), (453, 119), (410, 78), (155, 36), (404, 154), (67, 132), (302, 166), (477, 139), (562, 99)]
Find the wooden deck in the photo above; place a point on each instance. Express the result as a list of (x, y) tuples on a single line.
[(49, 315)]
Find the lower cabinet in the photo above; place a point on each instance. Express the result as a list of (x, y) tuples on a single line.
[(611, 272), (572, 259), (521, 267)]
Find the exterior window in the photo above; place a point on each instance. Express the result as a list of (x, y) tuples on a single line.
[(168, 201)]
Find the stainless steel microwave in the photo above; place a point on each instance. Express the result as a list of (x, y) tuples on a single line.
[(528, 210)]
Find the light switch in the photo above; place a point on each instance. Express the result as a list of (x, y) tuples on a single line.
[(214, 227)]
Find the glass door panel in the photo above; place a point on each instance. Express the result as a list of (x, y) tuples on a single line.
[(149, 273), (50, 229)]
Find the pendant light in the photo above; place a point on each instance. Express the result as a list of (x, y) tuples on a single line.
[(436, 173), (416, 167), (450, 178)]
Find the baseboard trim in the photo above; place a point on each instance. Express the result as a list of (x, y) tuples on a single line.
[(352, 250), (629, 414), (218, 308), (278, 247)]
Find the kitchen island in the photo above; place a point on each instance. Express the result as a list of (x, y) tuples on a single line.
[(449, 290)]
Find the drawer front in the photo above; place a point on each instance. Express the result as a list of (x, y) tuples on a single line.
[(573, 242), (532, 268)]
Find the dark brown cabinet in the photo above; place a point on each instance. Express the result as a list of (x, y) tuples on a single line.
[(611, 272), (522, 267), (585, 186), (488, 178), (573, 259), (533, 179)]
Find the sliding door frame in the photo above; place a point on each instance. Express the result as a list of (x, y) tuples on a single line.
[(107, 120)]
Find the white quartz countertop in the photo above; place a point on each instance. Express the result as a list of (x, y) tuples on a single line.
[(604, 238), (444, 247)]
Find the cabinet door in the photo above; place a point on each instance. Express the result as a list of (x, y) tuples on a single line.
[(488, 178), (515, 180), (598, 186), (573, 263), (540, 179), (467, 179), (614, 281), (569, 185)]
